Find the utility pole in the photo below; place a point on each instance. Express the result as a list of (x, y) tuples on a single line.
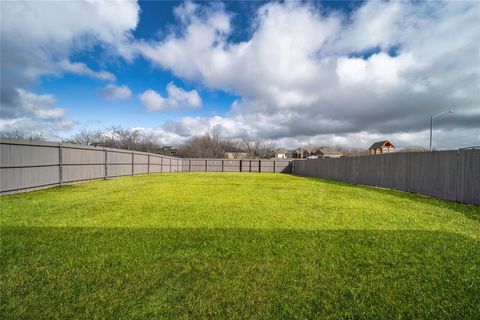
[(431, 125)]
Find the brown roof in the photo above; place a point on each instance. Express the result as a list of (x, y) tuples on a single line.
[(329, 151), (380, 144), (300, 150)]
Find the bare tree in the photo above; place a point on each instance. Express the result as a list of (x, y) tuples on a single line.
[(414, 149), (20, 135), (86, 137), (119, 138), (209, 145), (352, 152), (257, 148), (347, 152)]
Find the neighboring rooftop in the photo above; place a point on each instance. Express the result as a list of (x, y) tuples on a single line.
[(381, 144)]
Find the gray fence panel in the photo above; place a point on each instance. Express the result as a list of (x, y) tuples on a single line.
[(79, 172), (28, 165), (155, 168), (448, 175), (25, 155), (166, 165), (17, 179), (470, 184), (82, 164), (155, 160), (82, 156), (118, 170), (231, 166)]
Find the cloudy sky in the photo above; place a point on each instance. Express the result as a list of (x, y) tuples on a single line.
[(344, 73)]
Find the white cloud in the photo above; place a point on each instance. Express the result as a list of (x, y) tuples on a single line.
[(177, 99), (37, 39), (64, 125), (380, 71), (114, 92), (303, 73), (40, 106), (38, 36), (36, 114), (82, 69), (152, 100)]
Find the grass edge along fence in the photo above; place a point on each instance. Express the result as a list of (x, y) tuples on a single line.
[(448, 175), (29, 165)]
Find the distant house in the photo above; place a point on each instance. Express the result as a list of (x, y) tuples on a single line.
[(326, 153), (169, 151), (380, 147), (282, 153), (235, 155), (300, 153)]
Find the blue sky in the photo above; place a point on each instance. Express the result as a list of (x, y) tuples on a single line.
[(293, 73), (83, 95)]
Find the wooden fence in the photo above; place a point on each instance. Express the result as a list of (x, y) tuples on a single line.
[(448, 175), (237, 165), (26, 165)]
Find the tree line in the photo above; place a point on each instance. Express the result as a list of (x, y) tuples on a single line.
[(208, 145)]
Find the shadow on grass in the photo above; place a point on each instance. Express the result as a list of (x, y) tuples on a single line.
[(237, 273)]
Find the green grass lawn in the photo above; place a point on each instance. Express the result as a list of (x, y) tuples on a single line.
[(225, 246)]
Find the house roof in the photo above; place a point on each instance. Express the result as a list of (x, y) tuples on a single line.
[(329, 151), (298, 150), (380, 144)]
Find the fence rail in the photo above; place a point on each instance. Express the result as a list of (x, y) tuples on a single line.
[(448, 175), (237, 165), (27, 165)]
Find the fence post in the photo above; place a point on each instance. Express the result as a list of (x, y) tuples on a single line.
[(161, 164), (222, 165), (133, 166), (273, 166), (206, 165), (60, 164), (106, 164), (148, 163), (189, 165), (250, 166), (240, 165), (259, 166)]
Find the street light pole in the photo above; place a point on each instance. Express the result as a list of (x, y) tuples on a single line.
[(431, 125)]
